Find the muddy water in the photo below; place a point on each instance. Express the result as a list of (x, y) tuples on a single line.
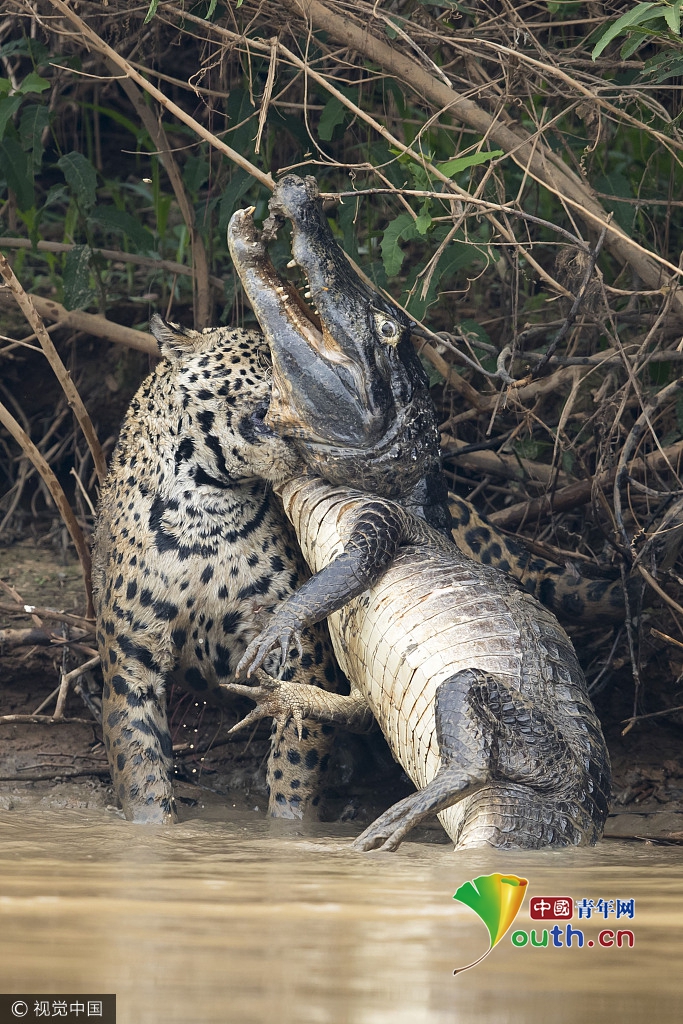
[(246, 920)]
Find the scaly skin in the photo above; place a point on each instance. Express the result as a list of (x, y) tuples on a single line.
[(475, 685)]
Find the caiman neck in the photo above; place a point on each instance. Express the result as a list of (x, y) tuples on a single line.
[(429, 501)]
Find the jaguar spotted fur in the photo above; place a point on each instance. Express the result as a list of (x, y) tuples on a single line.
[(192, 554)]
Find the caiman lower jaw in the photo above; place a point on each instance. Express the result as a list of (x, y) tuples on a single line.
[(320, 393)]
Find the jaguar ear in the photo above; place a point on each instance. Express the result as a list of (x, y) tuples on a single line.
[(174, 341)]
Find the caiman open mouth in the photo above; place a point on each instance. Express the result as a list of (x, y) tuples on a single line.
[(301, 347), (348, 388)]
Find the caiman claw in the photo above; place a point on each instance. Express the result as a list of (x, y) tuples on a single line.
[(275, 634), (274, 699)]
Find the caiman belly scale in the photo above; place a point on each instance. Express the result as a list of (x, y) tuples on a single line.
[(475, 685)]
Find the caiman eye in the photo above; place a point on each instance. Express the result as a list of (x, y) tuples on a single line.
[(388, 329)]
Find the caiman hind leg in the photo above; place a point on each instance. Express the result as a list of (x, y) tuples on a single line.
[(293, 704), (489, 734)]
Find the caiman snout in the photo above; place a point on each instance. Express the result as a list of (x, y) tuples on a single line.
[(348, 387), (318, 392)]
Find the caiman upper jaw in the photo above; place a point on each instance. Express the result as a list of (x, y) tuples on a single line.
[(318, 393)]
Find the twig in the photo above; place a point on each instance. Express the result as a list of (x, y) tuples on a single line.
[(580, 492), (99, 44), (67, 679), (571, 316), (32, 636), (267, 93), (44, 720), (634, 438), (99, 326), (49, 613), (652, 582), (57, 773), (200, 263), (27, 306), (60, 499), (117, 255), (665, 636), (555, 176)]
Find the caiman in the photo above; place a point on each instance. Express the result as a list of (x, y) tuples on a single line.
[(360, 412), (475, 684)]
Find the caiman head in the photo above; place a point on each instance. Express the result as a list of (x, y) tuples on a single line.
[(347, 387)]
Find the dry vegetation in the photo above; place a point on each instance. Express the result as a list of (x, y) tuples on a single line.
[(519, 197)]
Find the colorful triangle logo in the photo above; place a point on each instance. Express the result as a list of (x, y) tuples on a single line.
[(496, 899)]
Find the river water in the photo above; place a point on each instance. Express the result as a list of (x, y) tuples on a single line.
[(247, 920)]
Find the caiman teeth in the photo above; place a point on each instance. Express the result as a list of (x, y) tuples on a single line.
[(292, 264)]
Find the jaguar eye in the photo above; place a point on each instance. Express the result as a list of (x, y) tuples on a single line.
[(258, 416)]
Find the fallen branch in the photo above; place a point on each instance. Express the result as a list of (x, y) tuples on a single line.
[(580, 492), (117, 255), (49, 613), (93, 323)]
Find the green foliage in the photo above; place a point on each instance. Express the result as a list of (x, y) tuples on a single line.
[(124, 223), (661, 18), (452, 167), (403, 227), (121, 198), (77, 291), (80, 177)]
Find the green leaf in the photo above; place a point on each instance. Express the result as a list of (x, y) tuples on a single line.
[(672, 16), (391, 32), (80, 177), (455, 257), (30, 47), (212, 8), (475, 332), (56, 194), (151, 12), (461, 163), (424, 221), (34, 120), (33, 83), (403, 227), (112, 219), (5, 86), (77, 290), (332, 115), (8, 107), (18, 172), (636, 16), (664, 65), (240, 183), (195, 172), (449, 5)]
